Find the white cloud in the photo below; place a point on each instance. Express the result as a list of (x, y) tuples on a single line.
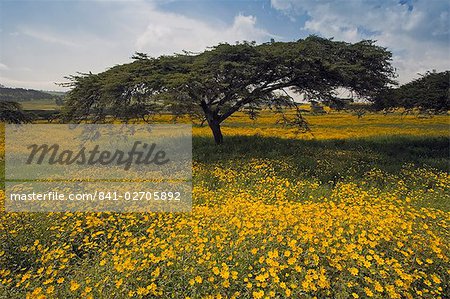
[(3, 67), (47, 37), (419, 37), (122, 28), (167, 33), (39, 85)]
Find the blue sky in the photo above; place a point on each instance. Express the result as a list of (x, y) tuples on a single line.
[(43, 41)]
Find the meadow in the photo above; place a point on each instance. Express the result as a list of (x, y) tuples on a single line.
[(360, 208), (41, 104)]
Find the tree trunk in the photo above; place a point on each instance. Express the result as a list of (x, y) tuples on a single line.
[(213, 122), (215, 128)]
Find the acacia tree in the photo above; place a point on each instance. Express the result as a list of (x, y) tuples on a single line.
[(430, 92), (227, 78), (11, 112)]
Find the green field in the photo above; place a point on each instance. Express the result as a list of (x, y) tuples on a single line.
[(40, 105), (361, 210)]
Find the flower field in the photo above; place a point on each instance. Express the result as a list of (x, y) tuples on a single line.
[(359, 209)]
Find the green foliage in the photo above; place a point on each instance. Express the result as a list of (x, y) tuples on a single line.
[(216, 83), (48, 115), (11, 112), (430, 92)]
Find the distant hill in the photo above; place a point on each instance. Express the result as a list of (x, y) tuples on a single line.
[(25, 95), (56, 93)]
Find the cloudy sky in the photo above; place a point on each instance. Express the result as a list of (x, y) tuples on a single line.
[(43, 41)]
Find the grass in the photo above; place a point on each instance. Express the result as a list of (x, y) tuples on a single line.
[(332, 161), (387, 153), (47, 104), (361, 210)]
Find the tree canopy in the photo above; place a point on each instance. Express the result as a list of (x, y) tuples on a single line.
[(431, 92), (11, 112), (226, 78)]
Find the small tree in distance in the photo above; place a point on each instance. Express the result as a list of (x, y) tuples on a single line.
[(11, 112), (227, 78)]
